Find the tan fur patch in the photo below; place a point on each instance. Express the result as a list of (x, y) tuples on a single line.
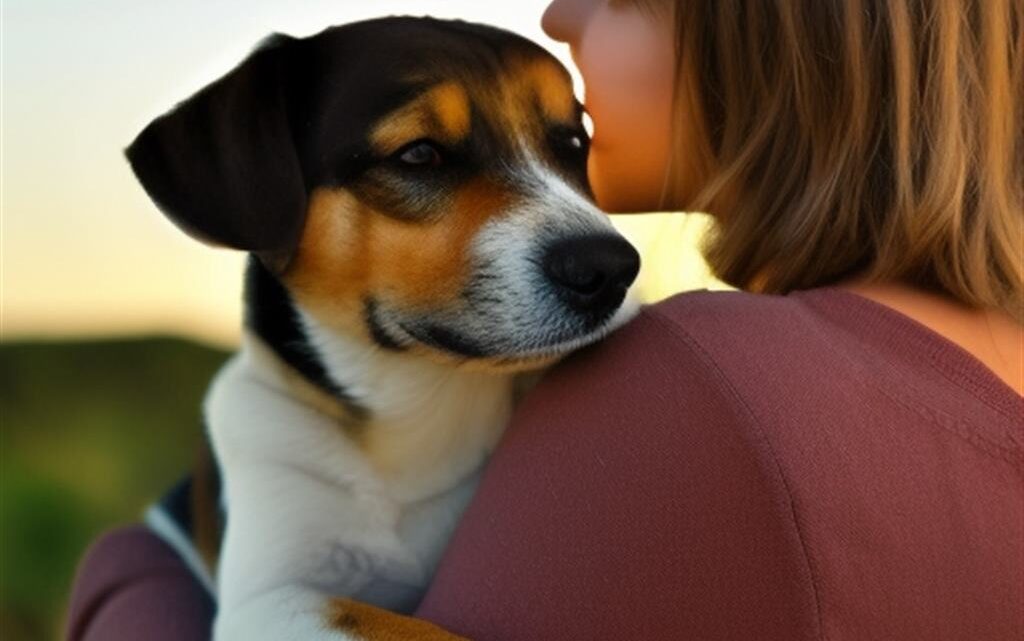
[(553, 90), (330, 271), (405, 125), (348, 251), (442, 112), (374, 624), (451, 106), (424, 264), (511, 100)]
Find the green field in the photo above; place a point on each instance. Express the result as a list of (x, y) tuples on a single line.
[(90, 432)]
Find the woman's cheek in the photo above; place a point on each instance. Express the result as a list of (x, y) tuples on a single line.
[(628, 64), (629, 158)]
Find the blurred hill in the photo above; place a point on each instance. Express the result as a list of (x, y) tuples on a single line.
[(90, 433)]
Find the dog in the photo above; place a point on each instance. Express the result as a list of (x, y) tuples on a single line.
[(422, 242)]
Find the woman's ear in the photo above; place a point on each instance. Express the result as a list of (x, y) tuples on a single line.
[(223, 164)]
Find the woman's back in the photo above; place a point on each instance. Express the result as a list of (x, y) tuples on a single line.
[(738, 466)]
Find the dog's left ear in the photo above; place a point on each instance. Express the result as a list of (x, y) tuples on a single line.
[(223, 165)]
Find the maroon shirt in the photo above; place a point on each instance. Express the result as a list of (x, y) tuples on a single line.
[(732, 466), (727, 466)]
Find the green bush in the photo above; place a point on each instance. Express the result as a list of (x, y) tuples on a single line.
[(90, 433)]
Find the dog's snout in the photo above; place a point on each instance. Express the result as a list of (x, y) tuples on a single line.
[(592, 272)]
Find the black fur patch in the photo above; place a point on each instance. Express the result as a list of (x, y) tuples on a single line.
[(377, 331), (270, 313), (450, 341)]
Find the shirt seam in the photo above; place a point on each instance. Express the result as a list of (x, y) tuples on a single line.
[(963, 375), (969, 385), (812, 574), (963, 428)]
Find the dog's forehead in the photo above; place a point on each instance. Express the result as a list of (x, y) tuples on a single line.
[(421, 45), (514, 105), (450, 69)]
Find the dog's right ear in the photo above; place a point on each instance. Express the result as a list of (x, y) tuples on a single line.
[(223, 165)]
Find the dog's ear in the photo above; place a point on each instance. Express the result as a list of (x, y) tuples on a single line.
[(223, 164)]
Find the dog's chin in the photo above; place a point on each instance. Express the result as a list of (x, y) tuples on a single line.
[(548, 354), (449, 346)]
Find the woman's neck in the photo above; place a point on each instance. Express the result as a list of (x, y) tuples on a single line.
[(989, 335)]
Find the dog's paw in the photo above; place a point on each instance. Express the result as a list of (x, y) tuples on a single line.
[(368, 623)]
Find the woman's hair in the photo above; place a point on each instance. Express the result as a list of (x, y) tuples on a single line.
[(849, 137)]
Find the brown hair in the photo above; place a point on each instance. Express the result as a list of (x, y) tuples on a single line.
[(858, 137)]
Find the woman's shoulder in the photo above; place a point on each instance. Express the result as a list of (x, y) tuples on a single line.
[(751, 320), (724, 348), (826, 338), (732, 329), (822, 361), (815, 357)]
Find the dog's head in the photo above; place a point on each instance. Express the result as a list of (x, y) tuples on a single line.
[(421, 183)]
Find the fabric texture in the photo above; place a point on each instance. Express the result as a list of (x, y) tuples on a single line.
[(727, 466), (731, 466), (132, 586)]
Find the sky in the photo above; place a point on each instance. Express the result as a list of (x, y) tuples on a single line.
[(83, 252)]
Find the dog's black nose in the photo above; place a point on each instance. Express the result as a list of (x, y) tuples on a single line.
[(592, 272)]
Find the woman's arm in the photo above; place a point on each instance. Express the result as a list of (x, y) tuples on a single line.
[(132, 586)]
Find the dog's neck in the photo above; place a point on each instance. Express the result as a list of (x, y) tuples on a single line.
[(424, 426)]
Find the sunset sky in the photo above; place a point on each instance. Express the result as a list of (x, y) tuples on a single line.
[(83, 251)]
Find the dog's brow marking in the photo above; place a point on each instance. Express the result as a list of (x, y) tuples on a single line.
[(451, 105), (404, 125), (553, 90), (442, 111), (528, 93)]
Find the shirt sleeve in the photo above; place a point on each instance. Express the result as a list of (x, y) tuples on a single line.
[(633, 497), (132, 586)]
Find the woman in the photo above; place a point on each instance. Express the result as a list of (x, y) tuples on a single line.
[(841, 462), (834, 452)]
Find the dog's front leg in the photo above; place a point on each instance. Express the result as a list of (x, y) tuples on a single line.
[(296, 545), (310, 537)]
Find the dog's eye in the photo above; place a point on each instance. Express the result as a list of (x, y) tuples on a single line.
[(571, 139), (421, 153), (570, 144)]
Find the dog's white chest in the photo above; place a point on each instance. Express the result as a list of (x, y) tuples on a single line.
[(306, 504), (424, 528), (427, 525)]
